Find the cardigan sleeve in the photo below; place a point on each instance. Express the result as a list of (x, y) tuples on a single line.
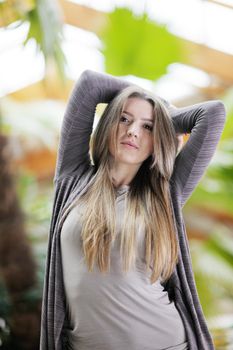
[(90, 89), (204, 122)]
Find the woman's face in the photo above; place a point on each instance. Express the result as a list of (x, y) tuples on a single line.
[(135, 127)]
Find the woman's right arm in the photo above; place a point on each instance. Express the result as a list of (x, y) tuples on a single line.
[(91, 88)]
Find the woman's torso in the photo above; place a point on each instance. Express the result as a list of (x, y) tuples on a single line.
[(115, 311)]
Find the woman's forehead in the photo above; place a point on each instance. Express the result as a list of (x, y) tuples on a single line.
[(138, 107)]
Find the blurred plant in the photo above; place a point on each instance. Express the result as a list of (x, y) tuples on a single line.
[(137, 45), (12, 11), (5, 307), (228, 100), (33, 124), (4, 332), (213, 266), (17, 263), (209, 211), (36, 202), (36, 206), (45, 27)]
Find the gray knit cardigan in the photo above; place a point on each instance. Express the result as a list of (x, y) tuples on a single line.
[(204, 122)]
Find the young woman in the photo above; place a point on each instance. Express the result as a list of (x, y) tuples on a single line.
[(119, 272)]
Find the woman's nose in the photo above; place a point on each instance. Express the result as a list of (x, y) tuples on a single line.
[(133, 130)]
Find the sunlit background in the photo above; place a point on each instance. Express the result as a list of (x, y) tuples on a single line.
[(183, 51)]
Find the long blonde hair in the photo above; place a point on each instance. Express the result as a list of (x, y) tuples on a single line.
[(148, 198)]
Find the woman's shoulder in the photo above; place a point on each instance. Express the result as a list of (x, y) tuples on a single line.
[(74, 183), (68, 188)]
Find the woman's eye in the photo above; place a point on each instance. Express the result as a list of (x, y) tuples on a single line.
[(123, 118), (148, 127)]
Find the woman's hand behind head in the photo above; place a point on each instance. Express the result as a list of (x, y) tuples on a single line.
[(180, 138)]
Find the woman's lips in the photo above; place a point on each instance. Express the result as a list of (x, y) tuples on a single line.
[(129, 146)]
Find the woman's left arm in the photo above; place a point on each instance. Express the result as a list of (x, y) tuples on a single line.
[(204, 122)]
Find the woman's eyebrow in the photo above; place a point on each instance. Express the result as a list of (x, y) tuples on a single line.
[(145, 119), (128, 113), (148, 120)]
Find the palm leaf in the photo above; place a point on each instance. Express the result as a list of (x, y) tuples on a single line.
[(137, 46)]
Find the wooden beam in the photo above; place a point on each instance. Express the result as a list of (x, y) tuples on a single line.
[(198, 55), (223, 3), (209, 60), (82, 16), (51, 88)]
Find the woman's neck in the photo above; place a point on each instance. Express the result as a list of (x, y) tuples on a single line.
[(122, 174)]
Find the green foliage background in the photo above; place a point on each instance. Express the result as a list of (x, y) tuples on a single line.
[(138, 46)]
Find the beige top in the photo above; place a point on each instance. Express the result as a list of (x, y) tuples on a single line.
[(116, 311)]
